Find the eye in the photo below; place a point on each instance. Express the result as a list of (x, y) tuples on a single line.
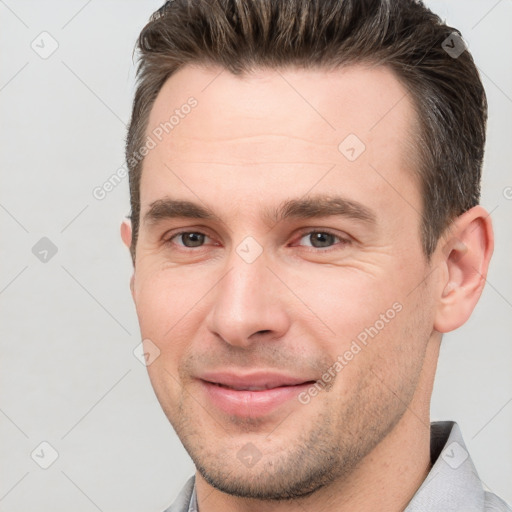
[(319, 239), (189, 239)]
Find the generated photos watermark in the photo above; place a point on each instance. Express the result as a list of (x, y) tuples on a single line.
[(100, 192), (356, 346)]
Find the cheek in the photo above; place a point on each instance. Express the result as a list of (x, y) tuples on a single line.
[(380, 366), (153, 304), (171, 307), (371, 324), (162, 305), (162, 309), (163, 298), (346, 301)]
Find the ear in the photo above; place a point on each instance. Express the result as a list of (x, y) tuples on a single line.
[(465, 253), (126, 235), (126, 232)]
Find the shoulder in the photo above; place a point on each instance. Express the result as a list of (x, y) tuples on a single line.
[(494, 503)]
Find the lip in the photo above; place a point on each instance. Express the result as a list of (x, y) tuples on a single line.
[(229, 392)]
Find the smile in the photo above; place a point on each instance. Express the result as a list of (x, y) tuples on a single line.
[(252, 395)]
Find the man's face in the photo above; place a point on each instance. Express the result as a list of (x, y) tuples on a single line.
[(258, 296)]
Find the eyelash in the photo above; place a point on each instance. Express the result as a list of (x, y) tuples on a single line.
[(342, 241)]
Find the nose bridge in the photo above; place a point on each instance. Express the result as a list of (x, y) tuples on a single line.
[(246, 300)]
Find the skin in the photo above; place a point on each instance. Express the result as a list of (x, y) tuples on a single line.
[(251, 143)]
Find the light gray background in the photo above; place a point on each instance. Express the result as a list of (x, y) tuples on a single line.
[(69, 327)]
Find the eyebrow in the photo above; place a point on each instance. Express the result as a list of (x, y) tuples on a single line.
[(300, 209)]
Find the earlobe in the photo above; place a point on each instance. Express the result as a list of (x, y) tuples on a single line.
[(466, 252)]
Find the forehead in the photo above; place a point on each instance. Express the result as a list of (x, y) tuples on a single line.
[(356, 98), (268, 129)]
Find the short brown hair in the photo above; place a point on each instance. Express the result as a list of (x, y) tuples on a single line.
[(241, 35)]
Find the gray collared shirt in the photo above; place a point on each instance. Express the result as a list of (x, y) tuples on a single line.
[(451, 485)]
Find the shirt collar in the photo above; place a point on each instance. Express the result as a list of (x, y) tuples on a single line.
[(193, 501), (453, 482)]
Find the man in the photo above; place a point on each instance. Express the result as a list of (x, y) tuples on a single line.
[(305, 226)]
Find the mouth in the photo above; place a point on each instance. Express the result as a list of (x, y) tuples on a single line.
[(250, 388), (252, 395)]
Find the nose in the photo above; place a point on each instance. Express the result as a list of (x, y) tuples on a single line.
[(249, 304)]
